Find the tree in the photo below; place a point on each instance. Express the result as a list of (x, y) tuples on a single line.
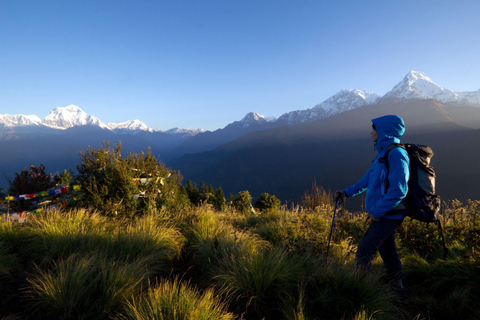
[(192, 192), (65, 177), (33, 180), (219, 199), (267, 202)]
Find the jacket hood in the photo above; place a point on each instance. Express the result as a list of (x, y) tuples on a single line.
[(389, 130)]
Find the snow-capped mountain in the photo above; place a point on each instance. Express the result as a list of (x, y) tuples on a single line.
[(189, 131), (71, 116), (19, 120), (255, 118), (342, 101), (472, 97), (62, 118), (130, 125), (250, 119), (416, 85)]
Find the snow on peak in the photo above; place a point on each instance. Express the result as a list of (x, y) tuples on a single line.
[(253, 117), (189, 131), (71, 116), (19, 120), (133, 125), (472, 97), (347, 100), (342, 101), (416, 85)]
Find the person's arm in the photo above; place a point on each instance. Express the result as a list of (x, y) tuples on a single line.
[(398, 165), (357, 188)]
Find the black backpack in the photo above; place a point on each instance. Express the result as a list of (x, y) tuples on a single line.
[(422, 202)]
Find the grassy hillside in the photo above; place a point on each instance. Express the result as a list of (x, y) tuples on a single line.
[(200, 263)]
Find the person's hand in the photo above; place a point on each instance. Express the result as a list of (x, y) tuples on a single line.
[(373, 218), (339, 195)]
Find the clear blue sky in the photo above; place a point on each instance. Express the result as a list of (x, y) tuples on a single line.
[(206, 63)]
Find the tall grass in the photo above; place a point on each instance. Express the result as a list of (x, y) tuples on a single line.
[(82, 265), (336, 290), (260, 283), (447, 289), (8, 261), (147, 237), (84, 287), (211, 240), (175, 300), (57, 234)]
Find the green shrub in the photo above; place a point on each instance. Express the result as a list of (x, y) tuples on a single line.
[(123, 186), (267, 202), (242, 202)]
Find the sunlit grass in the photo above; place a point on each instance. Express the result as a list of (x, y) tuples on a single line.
[(58, 234), (82, 287), (82, 265), (176, 300), (261, 282)]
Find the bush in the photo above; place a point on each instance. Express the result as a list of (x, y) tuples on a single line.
[(242, 202), (123, 186), (267, 202)]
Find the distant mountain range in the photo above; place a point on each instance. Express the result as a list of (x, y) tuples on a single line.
[(262, 154), (62, 118)]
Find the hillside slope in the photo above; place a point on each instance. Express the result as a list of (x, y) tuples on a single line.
[(337, 151)]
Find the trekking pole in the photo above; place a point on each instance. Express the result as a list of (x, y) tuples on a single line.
[(445, 249), (331, 227)]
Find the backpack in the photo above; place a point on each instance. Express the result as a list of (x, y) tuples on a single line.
[(422, 202)]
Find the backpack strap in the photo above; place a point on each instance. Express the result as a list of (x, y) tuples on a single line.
[(384, 159), (390, 148)]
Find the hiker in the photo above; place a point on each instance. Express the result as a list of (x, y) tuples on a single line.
[(385, 192)]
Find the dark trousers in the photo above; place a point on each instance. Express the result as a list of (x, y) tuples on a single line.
[(380, 236)]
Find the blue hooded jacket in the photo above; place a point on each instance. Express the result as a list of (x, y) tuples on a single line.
[(379, 198)]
